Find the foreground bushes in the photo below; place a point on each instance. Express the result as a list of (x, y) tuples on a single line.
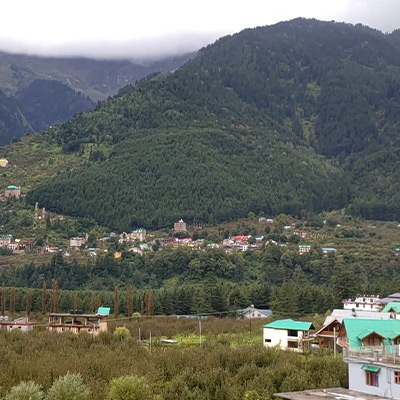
[(215, 371)]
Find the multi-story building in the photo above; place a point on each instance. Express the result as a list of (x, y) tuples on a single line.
[(180, 226), (371, 348), (78, 322), (366, 303), (76, 242), (328, 334), (5, 240), (288, 334), (138, 234), (12, 191)]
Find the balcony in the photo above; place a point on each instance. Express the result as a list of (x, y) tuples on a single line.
[(373, 354)]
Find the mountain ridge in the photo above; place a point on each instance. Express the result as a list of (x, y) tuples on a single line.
[(326, 90)]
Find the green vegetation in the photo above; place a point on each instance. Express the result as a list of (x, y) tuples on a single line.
[(112, 369), (296, 116)]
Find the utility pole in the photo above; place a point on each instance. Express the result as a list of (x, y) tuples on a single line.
[(334, 341), (200, 330)]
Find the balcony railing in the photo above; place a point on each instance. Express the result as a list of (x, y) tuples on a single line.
[(373, 354)]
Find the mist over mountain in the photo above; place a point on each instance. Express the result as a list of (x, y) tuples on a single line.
[(48, 91)]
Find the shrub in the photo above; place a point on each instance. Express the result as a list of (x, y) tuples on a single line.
[(69, 387), (25, 391)]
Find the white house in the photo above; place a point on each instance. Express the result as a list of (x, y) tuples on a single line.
[(21, 324), (288, 334), (252, 312)]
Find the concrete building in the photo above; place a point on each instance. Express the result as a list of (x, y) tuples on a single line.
[(371, 349), (304, 248), (5, 240), (138, 234), (366, 303), (180, 226), (12, 191), (22, 324), (288, 334), (78, 322), (76, 242)]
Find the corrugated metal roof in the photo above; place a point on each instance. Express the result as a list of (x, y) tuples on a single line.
[(340, 314), (103, 311), (393, 306), (290, 324), (356, 329)]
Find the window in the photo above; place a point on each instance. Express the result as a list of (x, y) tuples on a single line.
[(267, 340), (397, 377), (292, 333), (371, 378), (293, 345)]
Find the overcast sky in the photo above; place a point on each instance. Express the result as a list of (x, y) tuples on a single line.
[(155, 28)]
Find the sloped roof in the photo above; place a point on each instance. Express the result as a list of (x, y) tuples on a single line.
[(393, 306), (12, 187), (103, 311), (290, 324), (339, 314), (391, 297), (357, 329), (266, 312)]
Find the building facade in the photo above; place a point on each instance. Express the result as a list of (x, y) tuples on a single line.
[(288, 334), (366, 303), (371, 348), (180, 226), (12, 191)]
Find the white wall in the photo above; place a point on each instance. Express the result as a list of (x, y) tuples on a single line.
[(386, 388)]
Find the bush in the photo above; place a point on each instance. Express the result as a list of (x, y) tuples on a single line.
[(129, 388), (25, 391), (69, 387)]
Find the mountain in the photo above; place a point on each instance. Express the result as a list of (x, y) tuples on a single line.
[(48, 91), (97, 79), (301, 116)]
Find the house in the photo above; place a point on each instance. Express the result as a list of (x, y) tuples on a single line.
[(288, 334), (21, 324), (304, 248), (5, 240), (138, 234), (393, 308), (12, 191), (180, 226), (396, 251), (371, 348), (373, 303), (328, 250), (262, 220), (328, 334), (3, 162), (252, 312), (78, 322), (77, 242)]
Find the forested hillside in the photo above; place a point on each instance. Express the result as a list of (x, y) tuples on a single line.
[(43, 91), (294, 116)]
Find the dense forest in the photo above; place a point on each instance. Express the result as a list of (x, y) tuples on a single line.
[(186, 282), (291, 117)]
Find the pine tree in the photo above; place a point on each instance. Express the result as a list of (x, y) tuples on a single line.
[(44, 297)]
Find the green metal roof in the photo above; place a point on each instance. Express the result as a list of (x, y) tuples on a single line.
[(393, 306), (370, 368), (290, 325), (357, 329), (12, 187), (103, 311)]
